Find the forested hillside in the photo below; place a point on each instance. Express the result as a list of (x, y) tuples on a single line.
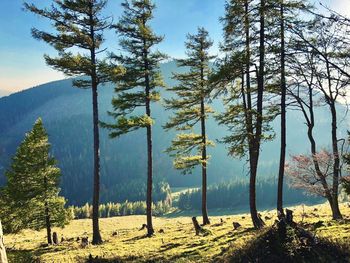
[(67, 117)]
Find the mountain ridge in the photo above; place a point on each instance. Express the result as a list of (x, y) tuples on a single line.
[(67, 112)]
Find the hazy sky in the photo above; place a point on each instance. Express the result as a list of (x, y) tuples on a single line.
[(21, 57)]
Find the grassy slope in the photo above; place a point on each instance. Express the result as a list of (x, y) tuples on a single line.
[(178, 243)]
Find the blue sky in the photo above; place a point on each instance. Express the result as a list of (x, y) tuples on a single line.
[(22, 65)]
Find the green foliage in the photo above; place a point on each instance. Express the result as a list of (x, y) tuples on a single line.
[(137, 87), (189, 105), (31, 193), (247, 114), (78, 24)]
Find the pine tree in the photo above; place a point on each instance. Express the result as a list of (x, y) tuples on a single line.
[(138, 86), (31, 195), (243, 74), (79, 26), (286, 15), (190, 105)]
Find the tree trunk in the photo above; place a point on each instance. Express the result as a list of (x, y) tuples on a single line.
[(204, 168), (336, 214), (150, 230), (3, 257), (283, 119), (204, 154), (255, 144), (48, 224), (96, 236), (257, 221), (329, 195)]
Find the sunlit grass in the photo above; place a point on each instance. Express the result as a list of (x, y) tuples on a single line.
[(124, 241)]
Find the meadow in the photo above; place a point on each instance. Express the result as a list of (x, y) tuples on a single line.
[(175, 239)]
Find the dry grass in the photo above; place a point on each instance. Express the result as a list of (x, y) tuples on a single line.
[(178, 243)]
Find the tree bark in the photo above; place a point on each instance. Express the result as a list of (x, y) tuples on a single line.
[(336, 214), (96, 236), (204, 154), (257, 221), (48, 224), (3, 256), (255, 147), (204, 168), (283, 118), (150, 230)]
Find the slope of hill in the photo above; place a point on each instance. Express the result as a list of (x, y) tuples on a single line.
[(66, 113)]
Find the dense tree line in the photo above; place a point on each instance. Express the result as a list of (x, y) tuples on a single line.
[(235, 196), (119, 209)]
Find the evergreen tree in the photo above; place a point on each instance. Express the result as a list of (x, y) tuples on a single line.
[(79, 26), (243, 74), (138, 86), (31, 195), (286, 15), (190, 106)]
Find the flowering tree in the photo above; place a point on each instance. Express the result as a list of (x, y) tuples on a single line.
[(303, 174)]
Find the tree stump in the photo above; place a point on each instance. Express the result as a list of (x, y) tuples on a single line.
[(236, 225), (289, 217), (196, 225), (3, 257), (55, 238), (84, 242)]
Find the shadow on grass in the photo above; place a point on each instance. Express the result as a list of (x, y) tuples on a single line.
[(169, 246), (268, 247), (21, 256), (133, 239)]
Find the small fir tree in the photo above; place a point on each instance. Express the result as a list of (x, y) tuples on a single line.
[(31, 195)]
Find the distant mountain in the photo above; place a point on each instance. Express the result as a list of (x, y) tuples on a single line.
[(4, 93), (67, 112)]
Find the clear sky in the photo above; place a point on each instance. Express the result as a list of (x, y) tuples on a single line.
[(21, 57)]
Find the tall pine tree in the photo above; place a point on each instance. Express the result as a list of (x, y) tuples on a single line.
[(78, 38), (286, 14), (31, 195), (191, 109), (138, 86), (243, 74)]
